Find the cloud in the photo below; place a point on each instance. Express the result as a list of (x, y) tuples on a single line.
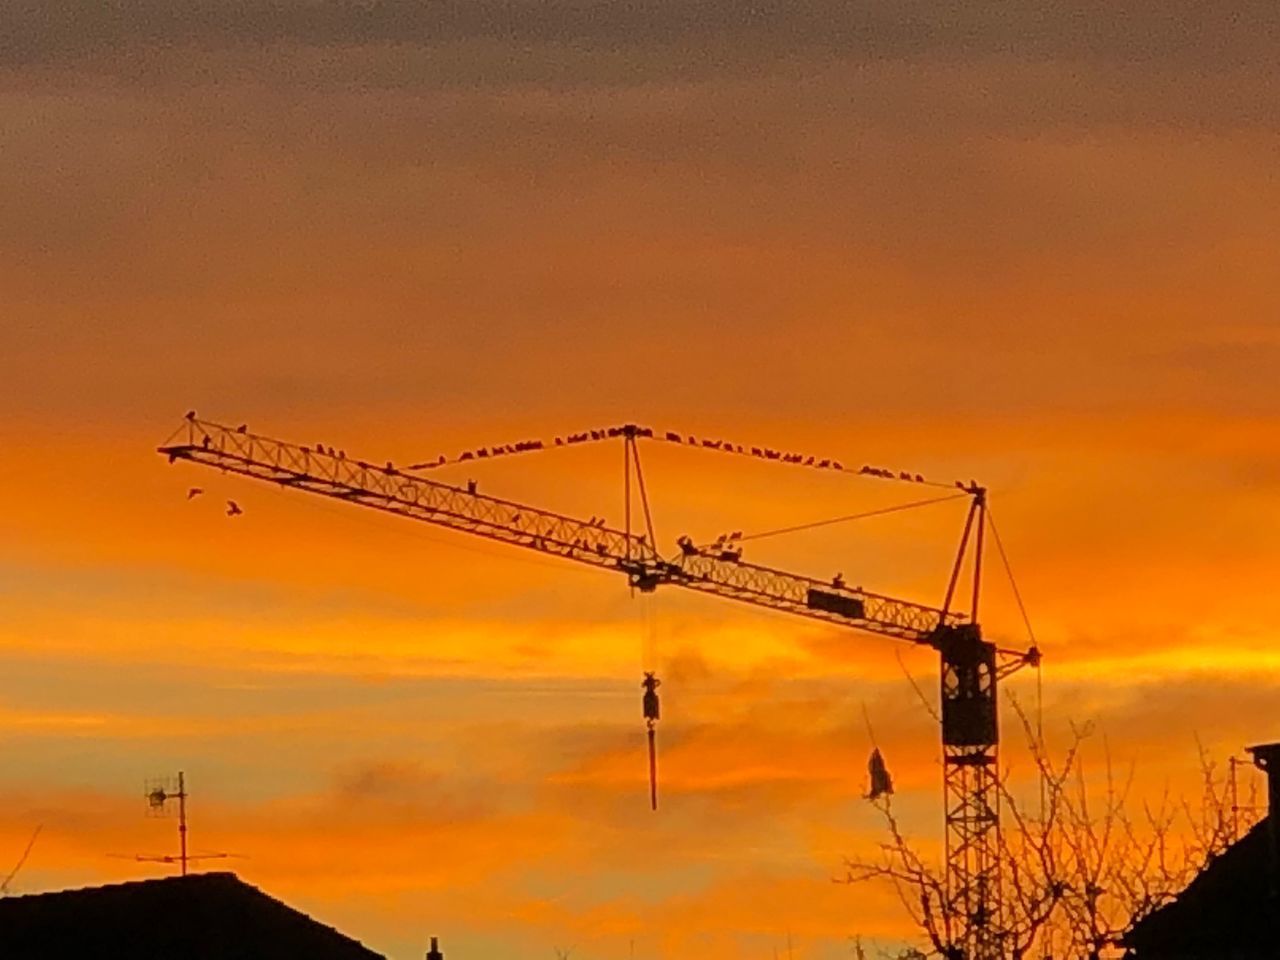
[(664, 30), (1032, 245)]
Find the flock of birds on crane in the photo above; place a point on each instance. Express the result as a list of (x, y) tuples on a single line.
[(233, 509), (670, 436)]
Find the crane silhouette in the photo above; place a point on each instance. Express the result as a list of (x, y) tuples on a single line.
[(971, 667)]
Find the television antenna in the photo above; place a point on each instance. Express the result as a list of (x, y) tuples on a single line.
[(161, 794)]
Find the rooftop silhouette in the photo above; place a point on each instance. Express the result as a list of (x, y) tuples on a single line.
[(1232, 909), (207, 916)]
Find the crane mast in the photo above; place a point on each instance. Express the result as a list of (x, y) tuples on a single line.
[(971, 666)]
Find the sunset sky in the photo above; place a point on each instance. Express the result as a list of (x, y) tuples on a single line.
[(1029, 243)]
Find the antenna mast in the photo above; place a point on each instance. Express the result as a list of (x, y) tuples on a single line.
[(159, 794)]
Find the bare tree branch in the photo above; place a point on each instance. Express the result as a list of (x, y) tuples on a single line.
[(1079, 867)]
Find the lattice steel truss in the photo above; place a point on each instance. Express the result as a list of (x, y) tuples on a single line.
[(390, 490), (971, 667)]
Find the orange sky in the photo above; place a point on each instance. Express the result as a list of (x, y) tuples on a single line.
[(1036, 248)]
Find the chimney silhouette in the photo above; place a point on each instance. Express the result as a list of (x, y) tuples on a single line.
[(1266, 758), (434, 953)]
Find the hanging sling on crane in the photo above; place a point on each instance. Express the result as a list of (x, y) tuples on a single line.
[(971, 666), (652, 713)]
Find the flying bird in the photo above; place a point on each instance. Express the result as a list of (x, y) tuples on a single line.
[(233, 509), (194, 492)]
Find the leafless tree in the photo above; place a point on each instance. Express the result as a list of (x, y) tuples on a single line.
[(1126, 863), (1030, 854), (1080, 862)]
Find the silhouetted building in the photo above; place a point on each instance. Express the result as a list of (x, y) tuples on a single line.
[(208, 916), (1231, 911)]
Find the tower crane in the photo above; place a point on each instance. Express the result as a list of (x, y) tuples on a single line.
[(971, 666)]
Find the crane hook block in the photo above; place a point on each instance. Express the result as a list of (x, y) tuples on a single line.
[(652, 710)]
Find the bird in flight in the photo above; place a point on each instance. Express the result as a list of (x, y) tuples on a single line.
[(193, 493), (233, 509)]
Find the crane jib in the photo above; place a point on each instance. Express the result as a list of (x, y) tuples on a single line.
[(320, 471)]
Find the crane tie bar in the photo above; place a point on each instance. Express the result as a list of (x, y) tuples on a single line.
[(686, 439)]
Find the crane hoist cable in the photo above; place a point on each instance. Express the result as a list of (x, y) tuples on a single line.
[(649, 702), (650, 682)]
